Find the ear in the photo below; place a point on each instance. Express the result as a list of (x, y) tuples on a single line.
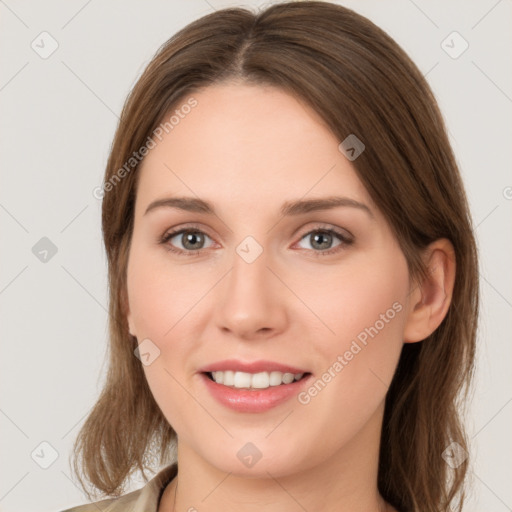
[(430, 299)]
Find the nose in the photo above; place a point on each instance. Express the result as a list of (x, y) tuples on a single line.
[(252, 300)]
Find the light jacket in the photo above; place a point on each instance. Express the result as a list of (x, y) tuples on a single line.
[(145, 499)]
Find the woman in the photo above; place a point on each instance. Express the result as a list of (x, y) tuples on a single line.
[(292, 273)]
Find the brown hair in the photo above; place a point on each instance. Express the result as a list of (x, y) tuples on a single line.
[(360, 82)]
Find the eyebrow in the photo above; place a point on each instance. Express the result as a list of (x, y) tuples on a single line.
[(289, 208)]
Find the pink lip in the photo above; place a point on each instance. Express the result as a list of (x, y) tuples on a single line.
[(253, 400), (253, 367)]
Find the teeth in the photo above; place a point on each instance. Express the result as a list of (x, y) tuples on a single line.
[(260, 380)]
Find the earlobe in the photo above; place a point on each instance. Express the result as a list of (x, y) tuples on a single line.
[(131, 330), (129, 320), (431, 298), (127, 314)]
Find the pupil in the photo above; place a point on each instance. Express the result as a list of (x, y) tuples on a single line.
[(320, 235), (191, 238)]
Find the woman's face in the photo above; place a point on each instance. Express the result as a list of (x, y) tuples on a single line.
[(268, 282)]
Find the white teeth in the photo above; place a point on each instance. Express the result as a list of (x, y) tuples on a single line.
[(275, 378), (229, 378), (261, 380), (242, 380)]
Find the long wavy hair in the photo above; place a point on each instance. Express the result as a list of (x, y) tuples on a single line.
[(361, 82)]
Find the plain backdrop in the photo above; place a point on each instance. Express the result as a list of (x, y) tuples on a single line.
[(58, 116)]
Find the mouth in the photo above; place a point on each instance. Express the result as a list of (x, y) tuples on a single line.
[(254, 381), (253, 386)]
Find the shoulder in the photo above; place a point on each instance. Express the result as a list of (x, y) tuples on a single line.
[(124, 503), (145, 498), (109, 504)]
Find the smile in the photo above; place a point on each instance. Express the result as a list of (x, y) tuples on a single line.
[(261, 380), (276, 388)]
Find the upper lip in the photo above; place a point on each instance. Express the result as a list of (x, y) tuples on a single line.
[(250, 367)]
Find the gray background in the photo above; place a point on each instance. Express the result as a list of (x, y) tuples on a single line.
[(58, 116)]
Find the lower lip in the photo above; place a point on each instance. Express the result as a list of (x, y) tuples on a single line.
[(248, 400)]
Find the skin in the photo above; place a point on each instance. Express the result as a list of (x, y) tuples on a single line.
[(247, 150)]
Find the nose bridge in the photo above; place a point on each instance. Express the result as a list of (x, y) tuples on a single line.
[(251, 301), (250, 273)]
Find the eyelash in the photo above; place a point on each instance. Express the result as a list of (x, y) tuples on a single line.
[(344, 239)]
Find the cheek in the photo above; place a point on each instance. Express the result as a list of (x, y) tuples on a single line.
[(362, 311), (162, 303), (160, 294), (363, 300), (365, 310)]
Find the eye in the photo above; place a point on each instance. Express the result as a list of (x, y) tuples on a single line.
[(322, 240), (191, 240)]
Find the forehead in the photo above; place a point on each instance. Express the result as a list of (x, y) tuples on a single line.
[(246, 142)]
